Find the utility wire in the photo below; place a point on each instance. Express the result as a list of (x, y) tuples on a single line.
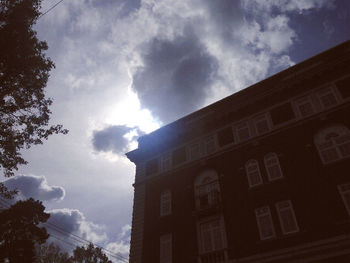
[(74, 237), (52, 7)]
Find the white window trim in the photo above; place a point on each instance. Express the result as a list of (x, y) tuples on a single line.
[(277, 164), (324, 90), (320, 142), (300, 101), (199, 234), (257, 215), (342, 192), (198, 183), (290, 207), (248, 174)]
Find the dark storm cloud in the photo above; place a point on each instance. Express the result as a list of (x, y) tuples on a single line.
[(112, 139), (175, 77), (36, 187), (67, 219)]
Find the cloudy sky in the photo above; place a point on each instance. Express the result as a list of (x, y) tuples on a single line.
[(127, 67)]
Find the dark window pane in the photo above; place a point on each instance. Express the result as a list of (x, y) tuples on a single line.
[(152, 167), (225, 136), (179, 156), (344, 87), (282, 114)]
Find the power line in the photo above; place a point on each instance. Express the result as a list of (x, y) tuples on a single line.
[(72, 236), (85, 240), (52, 7)]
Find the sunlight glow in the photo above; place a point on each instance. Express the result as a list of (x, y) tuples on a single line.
[(128, 112)]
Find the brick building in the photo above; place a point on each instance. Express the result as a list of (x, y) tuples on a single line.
[(260, 176)]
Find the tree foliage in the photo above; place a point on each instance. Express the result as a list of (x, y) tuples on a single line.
[(51, 253), (89, 254), (24, 72), (19, 231)]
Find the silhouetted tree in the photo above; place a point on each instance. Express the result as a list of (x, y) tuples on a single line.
[(51, 253), (19, 231), (90, 254), (24, 72)]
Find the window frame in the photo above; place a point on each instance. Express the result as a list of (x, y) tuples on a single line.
[(259, 214), (165, 199), (241, 126), (342, 192), (247, 164), (167, 157), (267, 166), (260, 118), (302, 101), (220, 221), (325, 91), (163, 243), (282, 223), (208, 187), (332, 144)]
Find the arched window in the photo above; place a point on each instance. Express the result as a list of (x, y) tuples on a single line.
[(253, 173), (207, 189), (272, 166), (333, 143)]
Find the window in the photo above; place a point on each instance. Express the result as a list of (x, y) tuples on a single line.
[(261, 124), (225, 136), (253, 173), (211, 236), (344, 191), (243, 131), (304, 106), (207, 190), (327, 98), (344, 87), (165, 203), (165, 248), (264, 222), (195, 151), (272, 166), (282, 113), (210, 145), (333, 143), (179, 156), (152, 167), (166, 162), (287, 217)]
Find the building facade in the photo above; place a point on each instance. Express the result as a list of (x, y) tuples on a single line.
[(260, 176)]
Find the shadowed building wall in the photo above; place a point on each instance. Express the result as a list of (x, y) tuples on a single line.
[(260, 176)]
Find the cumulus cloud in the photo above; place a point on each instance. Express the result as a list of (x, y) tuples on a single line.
[(36, 187), (175, 76), (115, 138), (73, 221), (122, 245)]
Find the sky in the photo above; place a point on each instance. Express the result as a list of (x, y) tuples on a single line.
[(126, 67)]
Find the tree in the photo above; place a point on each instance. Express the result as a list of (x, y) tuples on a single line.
[(19, 231), (90, 254), (24, 72), (51, 254)]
